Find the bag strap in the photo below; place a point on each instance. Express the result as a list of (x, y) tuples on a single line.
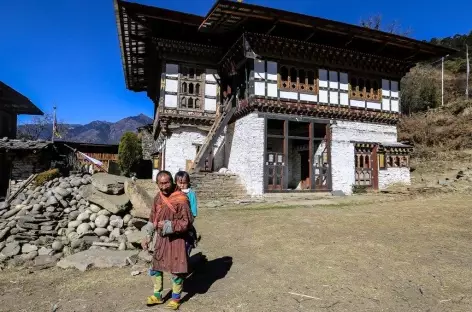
[(166, 201)]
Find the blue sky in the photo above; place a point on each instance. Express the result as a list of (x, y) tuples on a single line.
[(66, 52)]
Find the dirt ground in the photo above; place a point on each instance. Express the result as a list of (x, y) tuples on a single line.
[(345, 255)]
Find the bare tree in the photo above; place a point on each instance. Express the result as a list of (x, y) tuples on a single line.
[(375, 22), (40, 127)]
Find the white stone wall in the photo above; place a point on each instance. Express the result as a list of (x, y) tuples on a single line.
[(393, 175), (180, 147), (342, 148), (244, 151)]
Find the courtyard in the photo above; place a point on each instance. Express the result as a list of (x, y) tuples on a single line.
[(381, 254)]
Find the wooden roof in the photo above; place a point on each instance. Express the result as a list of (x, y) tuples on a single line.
[(13, 101), (144, 29)]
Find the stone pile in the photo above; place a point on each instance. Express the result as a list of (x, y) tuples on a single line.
[(70, 214)]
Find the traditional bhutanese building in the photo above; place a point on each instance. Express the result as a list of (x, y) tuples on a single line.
[(286, 101)]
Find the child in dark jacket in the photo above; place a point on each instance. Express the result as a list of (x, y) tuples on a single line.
[(182, 179)]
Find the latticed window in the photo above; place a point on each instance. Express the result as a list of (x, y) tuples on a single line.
[(365, 89), (191, 87), (297, 79)]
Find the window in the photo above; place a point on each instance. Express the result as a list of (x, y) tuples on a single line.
[(297, 79), (365, 89), (192, 81), (397, 161), (381, 161)]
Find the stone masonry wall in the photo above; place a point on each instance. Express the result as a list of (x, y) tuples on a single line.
[(147, 143), (24, 166), (342, 149), (244, 152), (180, 147), (392, 176)]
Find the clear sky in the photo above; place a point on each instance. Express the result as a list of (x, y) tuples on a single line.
[(66, 52)]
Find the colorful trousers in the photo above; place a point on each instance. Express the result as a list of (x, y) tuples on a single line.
[(177, 284)]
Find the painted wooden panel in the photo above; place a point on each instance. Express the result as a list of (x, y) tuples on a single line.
[(323, 77), (386, 104), (308, 97), (210, 78), (394, 106), (170, 101), (271, 71), (333, 80), (357, 103), (333, 97), (272, 89), (374, 105), (344, 98), (210, 89), (259, 69), (394, 89), (172, 70), (323, 96), (289, 95), (171, 85), (259, 88), (385, 87), (210, 105), (343, 81)]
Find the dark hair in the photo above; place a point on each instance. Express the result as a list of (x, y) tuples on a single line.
[(183, 175), (164, 172)]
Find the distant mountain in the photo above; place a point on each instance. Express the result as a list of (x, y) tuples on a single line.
[(100, 132)]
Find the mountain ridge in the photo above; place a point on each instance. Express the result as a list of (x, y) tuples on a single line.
[(97, 131)]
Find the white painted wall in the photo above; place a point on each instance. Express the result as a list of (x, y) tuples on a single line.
[(244, 151), (393, 175), (342, 148), (180, 147)]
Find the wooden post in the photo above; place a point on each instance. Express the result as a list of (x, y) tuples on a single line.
[(310, 155)]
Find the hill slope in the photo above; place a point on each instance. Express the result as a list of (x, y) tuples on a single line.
[(100, 132)]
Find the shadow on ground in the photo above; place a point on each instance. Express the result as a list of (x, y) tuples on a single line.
[(205, 273)]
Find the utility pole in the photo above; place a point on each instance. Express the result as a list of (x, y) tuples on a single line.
[(53, 123), (468, 72)]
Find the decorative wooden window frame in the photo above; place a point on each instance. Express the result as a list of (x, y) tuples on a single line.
[(303, 82), (191, 88), (395, 158), (369, 90)]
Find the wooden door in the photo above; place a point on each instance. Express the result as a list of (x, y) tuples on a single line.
[(366, 167), (321, 168), (275, 171)]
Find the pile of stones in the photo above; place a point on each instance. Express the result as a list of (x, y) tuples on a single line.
[(70, 214)]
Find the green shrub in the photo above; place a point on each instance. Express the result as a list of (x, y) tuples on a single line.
[(359, 189), (129, 152), (46, 176)]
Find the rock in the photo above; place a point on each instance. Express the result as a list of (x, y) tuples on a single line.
[(122, 245), (74, 215), (50, 209), (140, 199), (77, 243), (29, 256), (67, 210), (138, 223), (145, 255), (97, 258), (114, 203), (47, 228), (338, 193), (126, 219), (12, 223), (45, 261), (116, 222), (74, 224), (64, 203), (57, 246), (10, 213), (4, 205), (43, 251), (108, 183), (11, 249), (69, 230), (64, 185), (94, 208), (93, 216), (84, 216), (136, 237), (36, 207), (76, 182), (115, 233), (58, 256), (83, 228), (78, 197), (100, 231), (4, 232), (51, 201), (104, 212), (109, 228), (27, 248), (101, 221)]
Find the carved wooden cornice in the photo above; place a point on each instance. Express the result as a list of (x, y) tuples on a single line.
[(316, 110), (169, 122)]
